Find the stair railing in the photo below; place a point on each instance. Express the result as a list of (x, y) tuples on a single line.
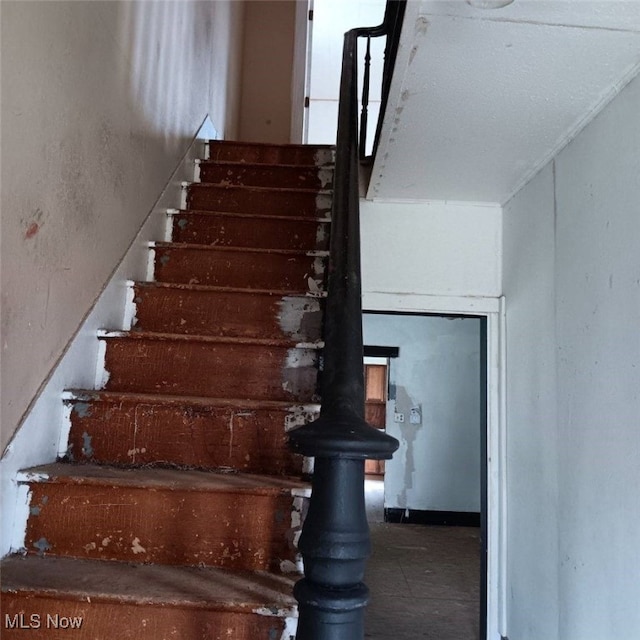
[(390, 27), (335, 541)]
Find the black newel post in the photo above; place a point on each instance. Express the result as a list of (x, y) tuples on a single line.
[(335, 540), (334, 545)]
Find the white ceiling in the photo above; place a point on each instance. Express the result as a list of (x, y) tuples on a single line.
[(481, 99)]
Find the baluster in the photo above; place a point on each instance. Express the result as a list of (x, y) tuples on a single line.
[(365, 100)]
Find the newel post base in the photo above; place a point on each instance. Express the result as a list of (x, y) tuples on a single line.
[(335, 541), (328, 614)]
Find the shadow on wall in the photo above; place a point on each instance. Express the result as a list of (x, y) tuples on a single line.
[(172, 33)]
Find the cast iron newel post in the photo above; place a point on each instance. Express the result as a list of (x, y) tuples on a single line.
[(335, 539)]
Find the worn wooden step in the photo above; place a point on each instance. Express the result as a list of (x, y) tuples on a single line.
[(248, 230), (264, 200), (260, 175), (209, 433), (140, 362), (295, 271), (217, 311), (166, 516), (249, 152), (90, 600)]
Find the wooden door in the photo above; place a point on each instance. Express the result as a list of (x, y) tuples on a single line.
[(375, 408)]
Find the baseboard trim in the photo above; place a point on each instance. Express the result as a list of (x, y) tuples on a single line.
[(419, 516)]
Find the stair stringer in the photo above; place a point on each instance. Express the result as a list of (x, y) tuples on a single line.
[(43, 435)]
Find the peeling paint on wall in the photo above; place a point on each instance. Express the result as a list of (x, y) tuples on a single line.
[(408, 432)]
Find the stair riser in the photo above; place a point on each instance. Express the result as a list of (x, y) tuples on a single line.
[(196, 312), (267, 176), (268, 154), (130, 433), (238, 269), (131, 621), (167, 526), (257, 233), (204, 197), (210, 369)]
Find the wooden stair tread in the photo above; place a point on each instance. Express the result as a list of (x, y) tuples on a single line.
[(162, 478), (284, 145), (246, 216), (217, 289), (162, 585), (217, 247), (181, 337), (86, 395), (276, 165), (265, 190)]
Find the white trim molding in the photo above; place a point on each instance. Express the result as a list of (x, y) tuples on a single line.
[(493, 310)]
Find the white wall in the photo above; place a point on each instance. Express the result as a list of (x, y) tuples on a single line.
[(532, 474), (572, 286), (100, 102), (437, 466), (428, 250)]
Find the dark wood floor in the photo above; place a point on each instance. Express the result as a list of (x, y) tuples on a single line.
[(424, 580)]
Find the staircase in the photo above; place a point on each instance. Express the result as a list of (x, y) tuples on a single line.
[(176, 512)]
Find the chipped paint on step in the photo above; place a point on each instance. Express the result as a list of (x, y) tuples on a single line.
[(102, 375), (131, 453), (130, 308), (299, 415), (274, 611), (64, 449), (42, 546), (325, 176), (151, 265), (19, 532), (81, 409), (87, 449), (290, 626), (299, 356), (287, 566), (300, 317), (323, 157), (136, 547), (315, 287), (321, 235), (32, 476), (323, 202)]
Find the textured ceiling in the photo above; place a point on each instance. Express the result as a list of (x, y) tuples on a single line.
[(481, 99)]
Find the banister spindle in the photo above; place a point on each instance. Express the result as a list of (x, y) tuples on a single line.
[(364, 116)]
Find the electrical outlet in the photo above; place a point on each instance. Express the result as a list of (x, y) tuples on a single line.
[(414, 415), (398, 417)]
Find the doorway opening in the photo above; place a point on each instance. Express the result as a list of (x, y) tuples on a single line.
[(331, 19), (434, 491)]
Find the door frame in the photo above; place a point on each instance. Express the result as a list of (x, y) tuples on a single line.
[(301, 73), (493, 309)]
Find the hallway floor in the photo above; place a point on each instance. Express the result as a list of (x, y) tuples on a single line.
[(424, 580)]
